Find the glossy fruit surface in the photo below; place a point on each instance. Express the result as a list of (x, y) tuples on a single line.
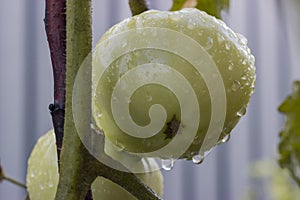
[(42, 175), (227, 50)]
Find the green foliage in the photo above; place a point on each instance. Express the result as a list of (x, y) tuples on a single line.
[(212, 7), (289, 147), (279, 184), (177, 4)]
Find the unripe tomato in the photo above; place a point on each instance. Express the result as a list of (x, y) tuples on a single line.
[(226, 49), (42, 175)]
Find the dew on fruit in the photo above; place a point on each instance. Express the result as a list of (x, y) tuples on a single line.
[(221, 38), (98, 114), (230, 67), (119, 146), (244, 77), (241, 112), (227, 46), (167, 164), (226, 138), (50, 185), (198, 159), (191, 24), (42, 187), (236, 85), (175, 17), (244, 62), (209, 43), (242, 39)]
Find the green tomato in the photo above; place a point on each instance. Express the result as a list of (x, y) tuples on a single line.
[(225, 48), (42, 175)]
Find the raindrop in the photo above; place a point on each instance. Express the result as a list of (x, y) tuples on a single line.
[(227, 46), (226, 138), (242, 38), (175, 17), (220, 38), (241, 112), (167, 164), (198, 159), (230, 67), (236, 85), (42, 187), (244, 77), (119, 146), (191, 24), (209, 43), (244, 62), (50, 185), (99, 114)]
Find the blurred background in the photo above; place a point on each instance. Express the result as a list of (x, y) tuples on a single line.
[(26, 89)]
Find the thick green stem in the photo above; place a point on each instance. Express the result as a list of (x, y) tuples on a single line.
[(74, 180), (138, 6)]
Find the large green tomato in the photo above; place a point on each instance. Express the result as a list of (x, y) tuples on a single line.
[(226, 49), (42, 175)]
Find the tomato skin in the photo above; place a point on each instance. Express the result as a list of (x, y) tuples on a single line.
[(228, 51)]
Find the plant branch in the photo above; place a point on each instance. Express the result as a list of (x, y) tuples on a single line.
[(74, 179), (15, 182), (138, 6), (55, 25), (3, 177)]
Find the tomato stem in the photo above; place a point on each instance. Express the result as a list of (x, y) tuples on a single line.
[(138, 6)]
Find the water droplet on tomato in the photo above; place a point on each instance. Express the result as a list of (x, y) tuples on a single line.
[(226, 138), (167, 164), (198, 159), (209, 43)]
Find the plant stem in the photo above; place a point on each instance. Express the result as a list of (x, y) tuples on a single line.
[(15, 182), (74, 180), (55, 25), (138, 6)]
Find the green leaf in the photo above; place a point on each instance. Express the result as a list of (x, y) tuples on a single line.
[(289, 147), (177, 4), (213, 7)]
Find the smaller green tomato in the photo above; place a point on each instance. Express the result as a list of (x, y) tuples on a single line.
[(42, 175)]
